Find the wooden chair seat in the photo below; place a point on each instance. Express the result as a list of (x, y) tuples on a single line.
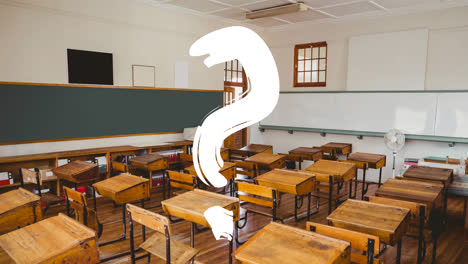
[(180, 252), (325, 194), (263, 210), (51, 199)]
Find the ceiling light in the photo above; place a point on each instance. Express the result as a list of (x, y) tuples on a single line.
[(276, 11)]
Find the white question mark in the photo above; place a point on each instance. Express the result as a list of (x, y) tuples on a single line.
[(246, 46)]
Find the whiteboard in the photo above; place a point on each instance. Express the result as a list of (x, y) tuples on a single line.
[(388, 61), (452, 115), (413, 113)]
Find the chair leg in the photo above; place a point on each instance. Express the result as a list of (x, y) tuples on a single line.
[(399, 251)]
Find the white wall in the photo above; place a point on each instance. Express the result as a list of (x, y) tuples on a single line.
[(35, 36), (446, 59), (283, 142), (447, 67)]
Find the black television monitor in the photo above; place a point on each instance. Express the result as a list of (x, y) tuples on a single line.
[(90, 67)]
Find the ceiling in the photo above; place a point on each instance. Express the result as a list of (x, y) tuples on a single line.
[(319, 11)]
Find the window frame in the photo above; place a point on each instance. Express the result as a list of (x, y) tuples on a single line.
[(230, 83), (296, 62)]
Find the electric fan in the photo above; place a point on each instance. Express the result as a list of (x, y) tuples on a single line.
[(394, 140)]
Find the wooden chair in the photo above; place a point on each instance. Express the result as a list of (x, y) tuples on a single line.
[(417, 223), (363, 166), (237, 154), (83, 214), (186, 160), (258, 199), (160, 244), (359, 241), (248, 169), (34, 177), (182, 181), (291, 159), (119, 167), (324, 189)]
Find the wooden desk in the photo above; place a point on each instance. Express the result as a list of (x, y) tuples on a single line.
[(151, 162), (123, 189), (19, 208), (334, 148), (267, 160), (293, 182), (389, 223), (58, 239), (342, 171), (277, 243), (305, 153), (374, 161), (413, 191), (192, 205), (439, 175), (77, 172), (253, 149), (228, 171)]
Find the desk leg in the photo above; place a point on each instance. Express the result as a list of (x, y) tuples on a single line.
[(300, 165), (230, 251), (466, 218), (164, 184), (308, 206), (192, 237), (380, 177), (350, 195), (445, 205), (399, 251), (94, 197), (363, 184)]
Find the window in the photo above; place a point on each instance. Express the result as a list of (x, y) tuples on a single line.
[(233, 74), (310, 64)]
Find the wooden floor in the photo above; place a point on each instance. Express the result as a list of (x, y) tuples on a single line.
[(451, 248)]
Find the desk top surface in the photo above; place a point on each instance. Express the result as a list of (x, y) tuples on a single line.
[(285, 177), (147, 158), (277, 243), (264, 158), (411, 190), (16, 198), (198, 201), (257, 148), (119, 183), (429, 173), (305, 150), (337, 145), (370, 158), (381, 220), (331, 167), (74, 168), (45, 239)]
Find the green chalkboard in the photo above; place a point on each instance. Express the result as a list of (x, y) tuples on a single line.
[(42, 112)]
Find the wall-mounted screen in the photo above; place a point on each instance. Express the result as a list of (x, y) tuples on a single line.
[(90, 67)]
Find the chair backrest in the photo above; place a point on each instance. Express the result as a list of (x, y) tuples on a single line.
[(186, 157), (246, 168), (359, 241), (418, 211), (181, 180), (119, 166), (359, 164), (28, 176), (257, 194), (149, 219)]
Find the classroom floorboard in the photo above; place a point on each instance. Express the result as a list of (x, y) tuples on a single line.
[(451, 248)]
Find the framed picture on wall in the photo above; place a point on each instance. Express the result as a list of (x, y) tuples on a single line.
[(143, 75)]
